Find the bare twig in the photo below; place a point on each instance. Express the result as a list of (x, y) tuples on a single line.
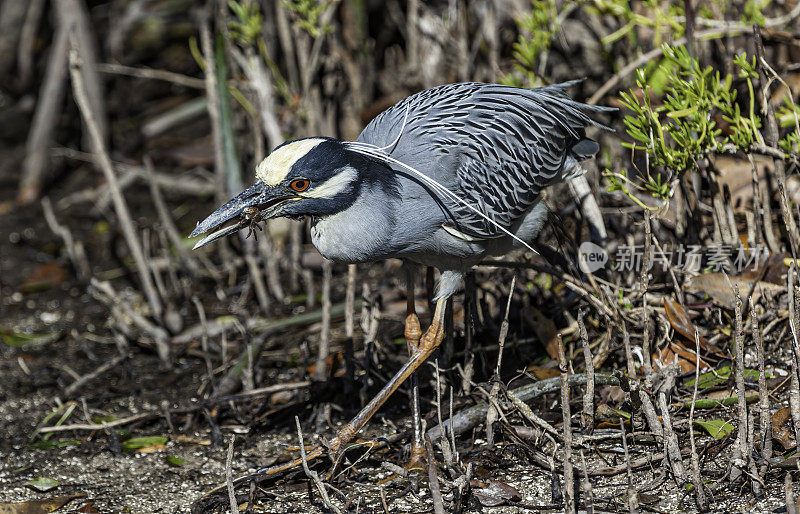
[(229, 477), (469, 418), (75, 250), (151, 73), (771, 135), (158, 334), (739, 456), (324, 350), (569, 486), (166, 220), (700, 495), (100, 426), (492, 414), (586, 485), (764, 416), (791, 507), (48, 108), (672, 452), (313, 475), (433, 479), (27, 40), (83, 380), (120, 206), (587, 419)]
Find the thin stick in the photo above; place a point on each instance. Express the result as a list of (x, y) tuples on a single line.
[(48, 107), (313, 475), (433, 480), (120, 206), (501, 340), (229, 477), (587, 420), (791, 507), (492, 414), (771, 135), (350, 302), (740, 456), (75, 250), (587, 485), (166, 219), (80, 382), (151, 73), (765, 419), (632, 498), (569, 486), (469, 418), (99, 426), (672, 452), (213, 106), (321, 371), (700, 495)]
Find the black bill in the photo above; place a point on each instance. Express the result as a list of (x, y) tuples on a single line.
[(255, 203)]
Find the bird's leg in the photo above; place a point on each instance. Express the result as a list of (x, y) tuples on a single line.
[(413, 332), (429, 341)]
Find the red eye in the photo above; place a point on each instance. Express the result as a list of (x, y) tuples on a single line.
[(300, 184)]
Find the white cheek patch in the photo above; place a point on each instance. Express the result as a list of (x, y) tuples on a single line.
[(273, 170), (334, 185)]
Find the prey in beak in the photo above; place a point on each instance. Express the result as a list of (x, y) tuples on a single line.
[(256, 203)]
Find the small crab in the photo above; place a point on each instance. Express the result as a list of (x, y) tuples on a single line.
[(252, 217)]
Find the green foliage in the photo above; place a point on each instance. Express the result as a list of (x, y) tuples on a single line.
[(683, 129), (656, 15), (247, 27), (789, 116), (309, 13), (537, 30), (753, 11)]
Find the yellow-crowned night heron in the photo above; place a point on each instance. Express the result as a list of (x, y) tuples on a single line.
[(444, 178)]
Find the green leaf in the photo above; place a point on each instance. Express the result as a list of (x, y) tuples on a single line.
[(46, 444), (20, 339), (136, 443), (42, 484), (175, 461), (716, 428), (720, 376)]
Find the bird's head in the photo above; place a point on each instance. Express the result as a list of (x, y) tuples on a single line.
[(308, 177)]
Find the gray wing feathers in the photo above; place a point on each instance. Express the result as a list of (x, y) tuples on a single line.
[(506, 144)]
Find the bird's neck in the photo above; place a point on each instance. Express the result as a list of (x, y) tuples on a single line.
[(360, 233)]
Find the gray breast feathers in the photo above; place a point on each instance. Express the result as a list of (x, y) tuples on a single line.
[(503, 144)]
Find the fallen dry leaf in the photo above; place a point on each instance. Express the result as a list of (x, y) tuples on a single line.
[(45, 277), (679, 319), (88, 508), (543, 373), (782, 428), (38, 506), (496, 493), (716, 286), (190, 440), (546, 331), (675, 352)]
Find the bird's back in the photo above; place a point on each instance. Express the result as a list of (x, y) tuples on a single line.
[(495, 146)]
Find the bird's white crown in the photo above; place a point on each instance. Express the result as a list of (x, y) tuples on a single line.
[(273, 170)]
